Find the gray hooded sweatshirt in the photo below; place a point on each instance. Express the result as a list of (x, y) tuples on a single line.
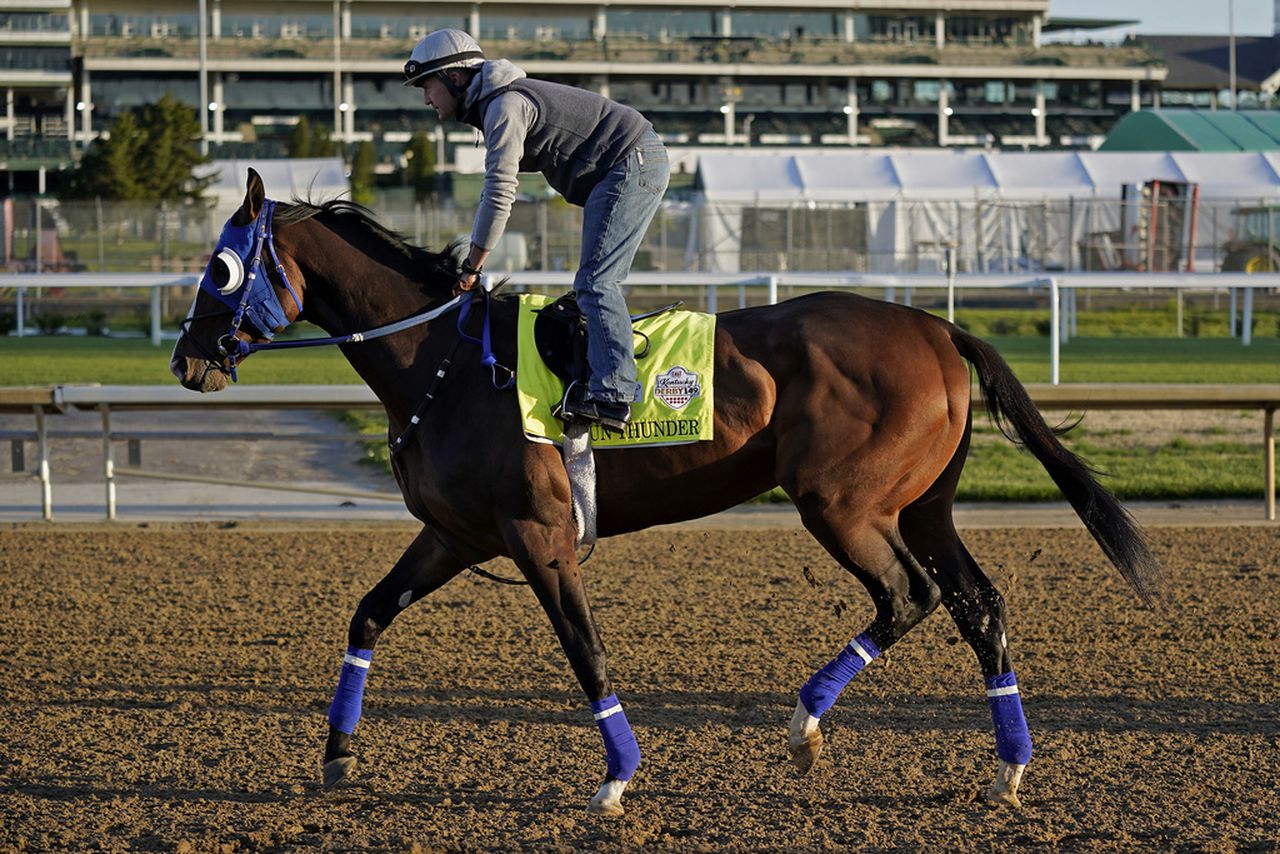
[(570, 135)]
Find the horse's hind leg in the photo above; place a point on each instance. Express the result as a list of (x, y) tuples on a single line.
[(424, 567), (903, 594), (978, 610)]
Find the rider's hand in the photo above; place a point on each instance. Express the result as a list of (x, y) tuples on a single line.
[(465, 282)]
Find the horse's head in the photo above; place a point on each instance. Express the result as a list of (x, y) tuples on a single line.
[(248, 293)]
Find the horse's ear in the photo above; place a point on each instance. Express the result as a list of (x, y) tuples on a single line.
[(255, 193)]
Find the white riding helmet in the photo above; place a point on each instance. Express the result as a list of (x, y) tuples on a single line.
[(441, 50)]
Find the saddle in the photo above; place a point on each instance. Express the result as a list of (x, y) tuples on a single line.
[(560, 337)]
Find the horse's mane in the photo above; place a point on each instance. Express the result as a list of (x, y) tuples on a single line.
[(349, 215)]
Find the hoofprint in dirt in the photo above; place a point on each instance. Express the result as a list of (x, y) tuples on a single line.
[(167, 688)]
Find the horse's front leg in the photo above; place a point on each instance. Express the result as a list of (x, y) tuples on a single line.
[(545, 554), (425, 566)]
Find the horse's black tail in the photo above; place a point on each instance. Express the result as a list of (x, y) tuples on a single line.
[(1107, 521)]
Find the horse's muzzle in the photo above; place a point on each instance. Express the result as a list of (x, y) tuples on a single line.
[(198, 374)]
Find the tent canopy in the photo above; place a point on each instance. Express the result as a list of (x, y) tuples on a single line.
[(1194, 130), (849, 176), (316, 179)]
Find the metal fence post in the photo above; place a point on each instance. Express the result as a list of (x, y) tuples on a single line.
[(1246, 320), (155, 317), (1055, 331), (22, 321), (773, 290)]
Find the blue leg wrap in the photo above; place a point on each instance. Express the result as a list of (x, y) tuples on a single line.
[(822, 689), (1013, 741), (345, 709), (621, 751)]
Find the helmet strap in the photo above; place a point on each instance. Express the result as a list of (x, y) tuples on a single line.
[(454, 89)]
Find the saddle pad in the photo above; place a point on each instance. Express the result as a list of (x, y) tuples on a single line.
[(677, 403)]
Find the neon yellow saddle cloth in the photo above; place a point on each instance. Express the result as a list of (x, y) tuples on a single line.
[(677, 403)]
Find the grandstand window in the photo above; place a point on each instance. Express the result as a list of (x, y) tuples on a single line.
[(35, 58), (534, 27), (797, 25), (660, 25), (34, 22), (143, 26), (901, 29), (277, 26), (402, 26)]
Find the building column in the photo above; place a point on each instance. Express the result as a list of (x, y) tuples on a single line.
[(71, 112), (215, 20), (473, 21), (1135, 97), (851, 112), (602, 84), (85, 107), (84, 20), (602, 23), (1155, 99), (345, 29), (726, 21), (8, 111), (1039, 113), (940, 31), (1035, 32), (944, 112), (349, 101), (728, 110), (218, 113)]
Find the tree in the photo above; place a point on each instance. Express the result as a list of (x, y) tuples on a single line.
[(420, 166), (109, 169), (167, 163), (300, 139), (151, 157), (362, 163), (322, 144)]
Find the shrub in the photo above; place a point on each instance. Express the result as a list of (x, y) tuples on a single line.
[(8, 322), (95, 323), (50, 322)]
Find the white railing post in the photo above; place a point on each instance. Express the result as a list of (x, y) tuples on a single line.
[(711, 299), (108, 462), (22, 321), (1055, 331), (773, 290), (1269, 453), (42, 446)]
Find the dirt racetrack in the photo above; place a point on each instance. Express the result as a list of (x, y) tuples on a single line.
[(166, 687)]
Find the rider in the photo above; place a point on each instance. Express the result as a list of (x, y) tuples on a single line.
[(599, 154)]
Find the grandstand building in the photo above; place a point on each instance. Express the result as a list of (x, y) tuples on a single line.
[(742, 73)]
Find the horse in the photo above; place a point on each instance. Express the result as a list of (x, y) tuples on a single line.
[(860, 410)]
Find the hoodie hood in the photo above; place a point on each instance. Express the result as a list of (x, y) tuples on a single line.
[(495, 74)]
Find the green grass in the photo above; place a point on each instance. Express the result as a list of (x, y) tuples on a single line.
[(1178, 469), (61, 360)]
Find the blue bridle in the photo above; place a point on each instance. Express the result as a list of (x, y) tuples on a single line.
[(247, 289), (241, 250)]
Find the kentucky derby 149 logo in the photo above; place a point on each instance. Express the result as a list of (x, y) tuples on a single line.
[(677, 387)]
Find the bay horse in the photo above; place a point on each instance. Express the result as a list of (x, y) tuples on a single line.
[(859, 409)]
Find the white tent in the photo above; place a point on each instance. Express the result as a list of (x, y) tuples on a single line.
[(315, 179), (1002, 210)]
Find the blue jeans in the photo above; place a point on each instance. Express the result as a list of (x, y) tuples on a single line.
[(615, 218)]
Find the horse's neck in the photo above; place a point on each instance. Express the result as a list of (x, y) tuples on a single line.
[(368, 295)]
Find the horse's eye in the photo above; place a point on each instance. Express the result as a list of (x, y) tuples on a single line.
[(227, 272)]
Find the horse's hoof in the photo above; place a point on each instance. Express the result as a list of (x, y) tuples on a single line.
[(337, 770), (1008, 799), (1005, 789), (805, 742), (608, 801)]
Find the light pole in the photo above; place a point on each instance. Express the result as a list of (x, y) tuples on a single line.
[(1231, 49)]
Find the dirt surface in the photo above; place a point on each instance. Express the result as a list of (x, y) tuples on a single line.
[(167, 687)]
